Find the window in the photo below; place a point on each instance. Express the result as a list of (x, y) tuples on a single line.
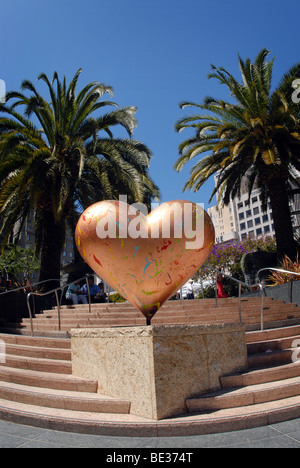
[(242, 226), (241, 216), (250, 224), (265, 218), (254, 199), (240, 205), (257, 221), (248, 213), (258, 231), (267, 229), (256, 210)]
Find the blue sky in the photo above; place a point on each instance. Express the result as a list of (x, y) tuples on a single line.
[(153, 53)]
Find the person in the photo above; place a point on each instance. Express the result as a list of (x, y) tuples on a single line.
[(97, 295), (190, 290), (75, 294), (220, 288)]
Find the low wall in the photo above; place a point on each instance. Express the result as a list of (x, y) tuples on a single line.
[(158, 367), (289, 292)]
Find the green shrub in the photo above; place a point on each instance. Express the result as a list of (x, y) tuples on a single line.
[(116, 297)]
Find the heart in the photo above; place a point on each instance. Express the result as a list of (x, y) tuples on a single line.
[(145, 258)]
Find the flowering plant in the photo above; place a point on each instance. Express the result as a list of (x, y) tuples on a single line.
[(228, 256)]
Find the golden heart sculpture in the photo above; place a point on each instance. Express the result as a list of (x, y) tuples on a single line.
[(145, 258)]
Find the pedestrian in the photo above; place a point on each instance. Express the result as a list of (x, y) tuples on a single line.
[(190, 290), (74, 293), (220, 288), (97, 295)]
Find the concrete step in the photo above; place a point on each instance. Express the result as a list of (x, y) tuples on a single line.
[(270, 358), (46, 342), (9, 328), (38, 352), (46, 398), (253, 322), (251, 395), (273, 345), (257, 376), (271, 352), (52, 380), (270, 325), (169, 306), (38, 364), (37, 387), (224, 420), (253, 311), (52, 330), (63, 399), (273, 334), (186, 309)]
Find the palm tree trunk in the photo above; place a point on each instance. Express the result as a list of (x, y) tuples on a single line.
[(286, 244), (53, 238)]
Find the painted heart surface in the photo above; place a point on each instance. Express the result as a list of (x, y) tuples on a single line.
[(145, 258)]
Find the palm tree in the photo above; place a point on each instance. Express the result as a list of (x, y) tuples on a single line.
[(64, 159), (256, 138)]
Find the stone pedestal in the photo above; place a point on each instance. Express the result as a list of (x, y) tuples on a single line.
[(158, 367)]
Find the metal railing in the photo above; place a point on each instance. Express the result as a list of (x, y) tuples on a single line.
[(276, 269), (240, 284), (55, 292), (86, 277), (27, 286), (255, 285), (259, 281)]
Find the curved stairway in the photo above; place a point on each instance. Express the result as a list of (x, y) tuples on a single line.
[(202, 311), (37, 386)]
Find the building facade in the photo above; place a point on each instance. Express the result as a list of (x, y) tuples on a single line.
[(245, 217)]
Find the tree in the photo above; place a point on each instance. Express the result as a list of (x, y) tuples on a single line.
[(228, 256), (59, 157), (19, 263), (256, 138)]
